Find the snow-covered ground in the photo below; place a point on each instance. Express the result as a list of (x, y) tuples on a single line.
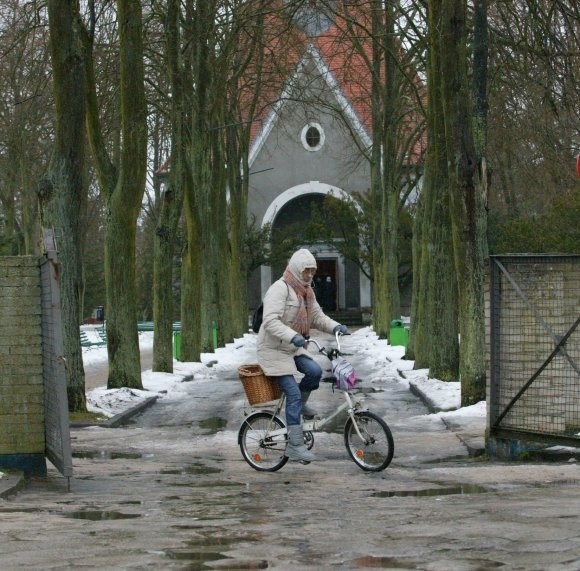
[(375, 353)]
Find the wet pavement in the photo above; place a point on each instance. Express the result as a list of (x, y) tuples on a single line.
[(170, 490)]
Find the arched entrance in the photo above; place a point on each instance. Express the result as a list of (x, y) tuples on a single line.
[(339, 283)]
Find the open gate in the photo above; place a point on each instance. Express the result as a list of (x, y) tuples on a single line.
[(534, 389)]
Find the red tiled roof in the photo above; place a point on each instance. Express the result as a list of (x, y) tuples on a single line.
[(284, 45), (349, 69), (349, 66)]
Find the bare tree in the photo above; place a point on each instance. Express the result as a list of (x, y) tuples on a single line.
[(468, 215), (384, 74), (122, 184), (534, 113), (220, 42), (434, 311), (172, 198), (64, 203), (26, 126)]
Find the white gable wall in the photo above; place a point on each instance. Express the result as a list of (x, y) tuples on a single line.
[(289, 168)]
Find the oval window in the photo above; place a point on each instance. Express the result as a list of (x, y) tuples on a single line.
[(312, 137)]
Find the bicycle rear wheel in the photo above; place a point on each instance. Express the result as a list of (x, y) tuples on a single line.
[(375, 451), (260, 450)]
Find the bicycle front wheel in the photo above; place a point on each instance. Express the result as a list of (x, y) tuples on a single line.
[(375, 451), (260, 450)]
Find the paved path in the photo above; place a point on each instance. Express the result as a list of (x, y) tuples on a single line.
[(96, 375), (171, 491)]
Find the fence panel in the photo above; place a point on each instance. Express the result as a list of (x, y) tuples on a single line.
[(57, 430), (534, 390)]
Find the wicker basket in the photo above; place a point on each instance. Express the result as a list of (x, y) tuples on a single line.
[(259, 388)]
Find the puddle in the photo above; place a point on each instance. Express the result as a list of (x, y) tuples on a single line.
[(214, 424), (100, 515), (106, 455), (460, 489), (200, 558), (459, 458), (557, 483), (198, 469), (224, 541), (92, 515), (370, 561), (201, 469), (555, 454), (209, 484), (200, 552)]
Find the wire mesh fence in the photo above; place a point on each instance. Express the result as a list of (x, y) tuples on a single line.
[(535, 346)]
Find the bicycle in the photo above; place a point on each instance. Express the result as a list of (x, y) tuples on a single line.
[(263, 435)]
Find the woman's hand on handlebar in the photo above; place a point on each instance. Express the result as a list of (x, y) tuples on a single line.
[(299, 340), (341, 330)]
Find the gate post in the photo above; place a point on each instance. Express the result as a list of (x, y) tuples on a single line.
[(22, 440)]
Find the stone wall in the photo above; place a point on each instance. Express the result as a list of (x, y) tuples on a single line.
[(22, 441)]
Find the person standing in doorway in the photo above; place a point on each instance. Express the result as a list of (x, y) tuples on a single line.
[(329, 294), (290, 310)]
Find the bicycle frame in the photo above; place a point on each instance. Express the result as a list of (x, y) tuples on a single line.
[(350, 405)]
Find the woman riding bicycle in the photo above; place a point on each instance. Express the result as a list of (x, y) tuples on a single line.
[(290, 310)]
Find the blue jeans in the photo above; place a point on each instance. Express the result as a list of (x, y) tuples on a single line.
[(310, 382)]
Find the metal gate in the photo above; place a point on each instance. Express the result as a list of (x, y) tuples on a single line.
[(57, 431), (534, 390)]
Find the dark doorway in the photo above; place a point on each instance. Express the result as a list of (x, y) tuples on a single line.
[(325, 284)]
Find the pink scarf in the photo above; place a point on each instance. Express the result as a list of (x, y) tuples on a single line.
[(306, 298)]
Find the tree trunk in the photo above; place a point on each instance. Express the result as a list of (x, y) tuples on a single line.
[(122, 191), (191, 284), (416, 287), (238, 208), (385, 177), (125, 204), (467, 204), (65, 205), (122, 336), (171, 203), (201, 280), (237, 142), (381, 305), (436, 329), (390, 174)]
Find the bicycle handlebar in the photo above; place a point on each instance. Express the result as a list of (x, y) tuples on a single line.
[(323, 350)]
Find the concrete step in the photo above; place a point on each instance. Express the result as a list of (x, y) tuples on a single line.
[(347, 317)]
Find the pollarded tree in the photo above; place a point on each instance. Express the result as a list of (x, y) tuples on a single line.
[(63, 205), (219, 41), (434, 327), (170, 209), (369, 45), (465, 170), (122, 184)]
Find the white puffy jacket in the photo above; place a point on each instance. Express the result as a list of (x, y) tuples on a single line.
[(275, 350)]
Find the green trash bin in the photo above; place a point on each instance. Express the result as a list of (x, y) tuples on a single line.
[(177, 345), (398, 333)]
